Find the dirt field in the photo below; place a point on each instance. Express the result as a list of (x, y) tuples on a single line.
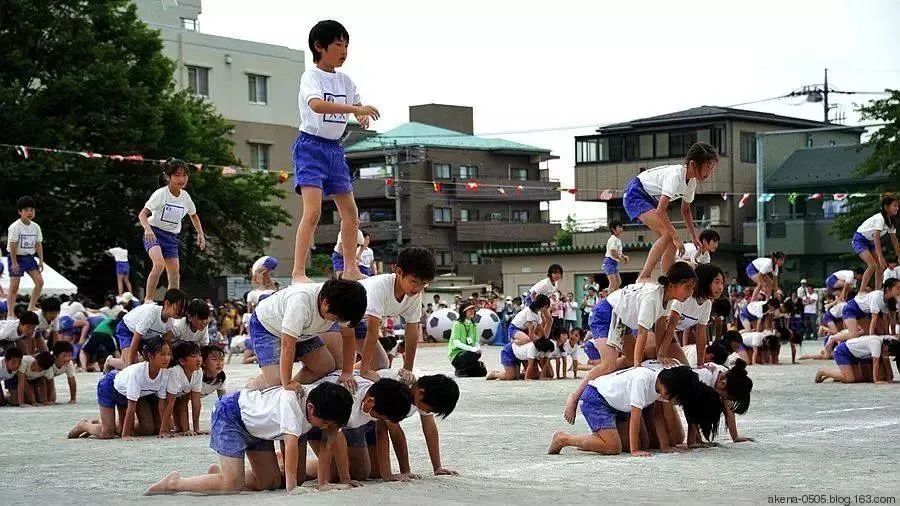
[(810, 439)]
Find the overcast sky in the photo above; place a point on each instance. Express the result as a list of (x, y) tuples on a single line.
[(532, 65)]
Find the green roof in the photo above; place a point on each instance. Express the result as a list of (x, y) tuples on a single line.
[(594, 248), (830, 167), (420, 134)]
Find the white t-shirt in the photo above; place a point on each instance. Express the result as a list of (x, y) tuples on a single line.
[(690, 255), (25, 237), (544, 287), (632, 387), (111, 312), (367, 257), (710, 373), (146, 320), (5, 373), (217, 385), (872, 302), (691, 312), (360, 240), (9, 330), (179, 384), (25, 368), (891, 273), (669, 180), (44, 325), (639, 304), (690, 352), (765, 266), (358, 418), (613, 244), (73, 310), (382, 304), (119, 254), (570, 310), (874, 224), (331, 87), (134, 382), (865, 346), (167, 211), (756, 308), (254, 295), (813, 306), (181, 329), (293, 311), (753, 339), (68, 370), (273, 412), (837, 310), (525, 352), (846, 276), (524, 316)]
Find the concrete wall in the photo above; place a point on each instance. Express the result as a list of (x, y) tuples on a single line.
[(451, 117), (167, 12)]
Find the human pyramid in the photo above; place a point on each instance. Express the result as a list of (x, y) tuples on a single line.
[(654, 345)]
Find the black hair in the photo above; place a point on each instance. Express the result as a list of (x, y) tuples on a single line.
[(889, 284), (886, 200), (701, 152), (439, 392), (719, 352), (706, 274), (732, 337), (174, 296), (152, 346), (64, 298), (392, 399), (13, 353), (28, 318), (544, 345), (170, 167), (324, 33), (539, 302), (702, 404), (777, 255), (51, 304), (709, 235), (721, 307), (388, 342), (182, 350), (332, 402), (24, 203), (680, 272), (346, 299), (462, 311), (556, 333), (198, 308), (771, 342), (613, 224), (44, 359), (739, 385), (209, 349), (60, 347), (554, 268), (418, 262), (365, 234)]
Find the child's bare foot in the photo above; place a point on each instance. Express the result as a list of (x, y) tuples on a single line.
[(556, 444), (214, 469), (352, 275), (819, 377), (300, 278), (79, 429), (165, 485)]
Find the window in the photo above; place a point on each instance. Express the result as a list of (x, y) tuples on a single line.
[(496, 217), (615, 149), (717, 139), (776, 230), (748, 147), (198, 81), (586, 150), (259, 89), (681, 141), (662, 145), (190, 24), (473, 258), (442, 171), (521, 216), (647, 147), (259, 156), (443, 215), (632, 147), (443, 258), (468, 215), (468, 171), (520, 174)]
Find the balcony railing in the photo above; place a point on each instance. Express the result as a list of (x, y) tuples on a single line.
[(497, 231), (379, 230), (532, 189)]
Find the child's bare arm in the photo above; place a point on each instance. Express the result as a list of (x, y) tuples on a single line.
[(288, 350), (72, 389), (368, 351), (659, 424), (634, 433), (320, 106), (411, 344), (383, 453), (128, 423), (291, 457), (166, 408), (201, 237), (401, 448), (39, 249), (195, 411), (20, 388), (433, 443), (688, 216)]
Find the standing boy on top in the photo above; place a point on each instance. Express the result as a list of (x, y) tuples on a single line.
[(24, 242), (320, 168)]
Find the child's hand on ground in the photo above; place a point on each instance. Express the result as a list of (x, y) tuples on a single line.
[(352, 483), (640, 453), (72, 401), (188, 433), (571, 407), (411, 476), (443, 471), (743, 439)]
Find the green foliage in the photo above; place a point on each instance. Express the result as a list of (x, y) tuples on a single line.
[(90, 76), (564, 235), (320, 265), (885, 158)]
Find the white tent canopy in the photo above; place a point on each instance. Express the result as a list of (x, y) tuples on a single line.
[(54, 282)]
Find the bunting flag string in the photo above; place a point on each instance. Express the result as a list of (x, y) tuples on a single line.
[(437, 186), (744, 200), (501, 191), (815, 196)]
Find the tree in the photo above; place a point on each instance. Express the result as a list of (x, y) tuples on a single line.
[(564, 235), (90, 76), (885, 158)]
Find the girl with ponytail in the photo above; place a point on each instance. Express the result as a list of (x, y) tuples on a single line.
[(866, 241)]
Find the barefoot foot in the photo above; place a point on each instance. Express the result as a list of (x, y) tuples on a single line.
[(556, 444), (165, 485), (78, 430)]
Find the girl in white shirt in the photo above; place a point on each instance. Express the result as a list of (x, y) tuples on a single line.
[(693, 314), (213, 369), (185, 384), (529, 326), (614, 256), (764, 273), (647, 196), (861, 314), (844, 280), (866, 240), (863, 359), (547, 285), (161, 218)]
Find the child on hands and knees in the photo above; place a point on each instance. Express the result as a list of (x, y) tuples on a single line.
[(327, 97), (146, 320), (245, 424), (647, 196)]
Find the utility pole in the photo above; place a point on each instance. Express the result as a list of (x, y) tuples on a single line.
[(825, 96)]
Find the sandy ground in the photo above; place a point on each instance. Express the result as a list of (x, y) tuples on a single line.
[(810, 439)]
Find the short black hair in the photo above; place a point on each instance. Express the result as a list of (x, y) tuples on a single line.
[(175, 296), (613, 224), (706, 274), (554, 268), (544, 345), (45, 360), (392, 399), (183, 349), (28, 318), (440, 392), (198, 308), (51, 304), (709, 235), (13, 353), (721, 307), (732, 337), (365, 234), (152, 346), (24, 203), (346, 299), (324, 33), (60, 347), (418, 262), (209, 349), (719, 353), (331, 402), (539, 302)]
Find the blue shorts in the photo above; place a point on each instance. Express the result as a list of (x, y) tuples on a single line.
[(167, 242), (2, 268), (365, 270), (107, 395), (511, 331), (27, 263), (827, 318), (830, 281), (610, 266), (124, 335), (361, 329), (600, 319), (66, 323), (267, 346), (598, 413), (842, 355), (93, 321), (636, 199), (321, 163), (4, 307), (228, 435), (357, 437), (337, 261), (122, 268), (861, 244), (751, 270), (507, 357), (852, 311), (747, 315), (590, 349)]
